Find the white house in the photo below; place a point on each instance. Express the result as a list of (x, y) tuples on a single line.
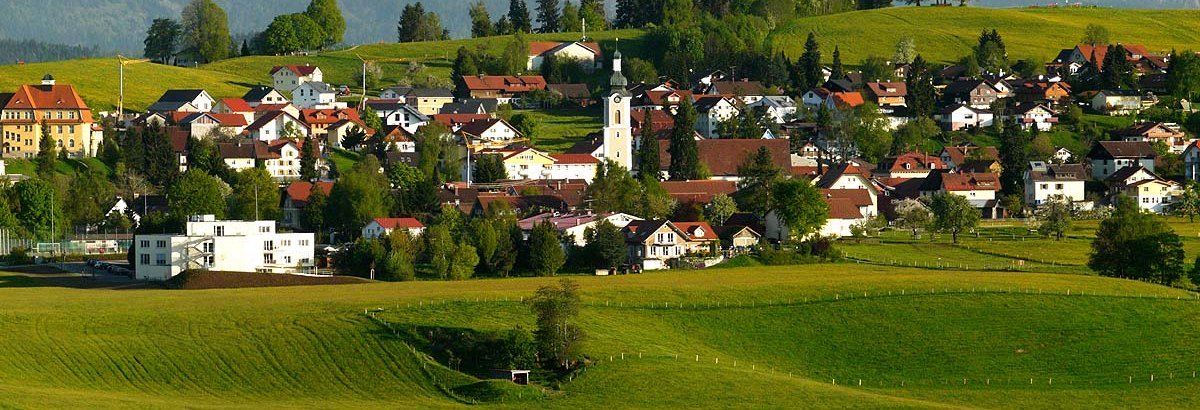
[(183, 100), (850, 177), (574, 225), (1031, 115), (574, 166), (1117, 102), (1108, 157), (1043, 181), (587, 54), (1154, 194), (287, 78), (380, 227), (491, 132), (229, 246), (962, 117), (392, 112), (776, 107), (843, 214), (712, 111), (1191, 161), (276, 125), (264, 95), (315, 94), (1061, 156), (280, 158)]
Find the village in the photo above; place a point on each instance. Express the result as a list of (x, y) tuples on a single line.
[(685, 170)]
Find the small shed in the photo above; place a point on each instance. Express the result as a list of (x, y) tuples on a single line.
[(516, 376)]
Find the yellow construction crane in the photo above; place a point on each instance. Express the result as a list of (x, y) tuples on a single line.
[(122, 62)]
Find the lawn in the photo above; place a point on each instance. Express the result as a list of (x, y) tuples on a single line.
[(559, 129), (776, 336)]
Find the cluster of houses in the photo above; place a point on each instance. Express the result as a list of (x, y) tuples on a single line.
[(268, 127)]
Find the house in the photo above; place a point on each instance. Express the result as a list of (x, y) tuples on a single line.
[(276, 125), (961, 117), (1030, 115), (748, 92), (69, 120), (844, 100), (655, 244), (574, 225), (280, 158), (974, 93), (336, 133), (1191, 161), (264, 109), (183, 100), (523, 163), (1137, 54), (1043, 181), (427, 101), (491, 133), (1062, 156), (1117, 102), (845, 177), (777, 108), (289, 77), (980, 189), (319, 120), (712, 110), (861, 198), (699, 238), (264, 95), (576, 94), (587, 54), (395, 113), (456, 121), (1154, 132), (736, 239), (908, 165), (887, 94), (660, 99), (316, 94), (211, 124), (815, 97), (1153, 195), (229, 246), (295, 198), (700, 192), (482, 106), (381, 227), (1043, 91), (502, 87), (722, 157), (958, 156), (235, 106), (843, 214), (574, 166), (1108, 157)]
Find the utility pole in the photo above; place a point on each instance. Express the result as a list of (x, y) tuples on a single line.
[(255, 202)]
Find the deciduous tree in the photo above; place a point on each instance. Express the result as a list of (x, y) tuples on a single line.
[(1132, 244), (329, 18), (558, 337), (798, 205), (205, 30), (546, 254), (954, 214)]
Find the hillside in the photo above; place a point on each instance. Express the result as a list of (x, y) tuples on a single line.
[(945, 34), (780, 335)]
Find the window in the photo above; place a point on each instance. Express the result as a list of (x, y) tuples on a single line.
[(264, 229), (1045, 186), (287, 260), (144, 243), (268, 258), (145, 259), (160, 259), (268, 245), (285, 242), (207, 247), (304, 242), (161, 244), (1058, 186), (220, 230)]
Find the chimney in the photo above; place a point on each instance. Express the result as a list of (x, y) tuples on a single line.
[(48, 80)]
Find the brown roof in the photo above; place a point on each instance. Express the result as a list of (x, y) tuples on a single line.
[(884, 89), (477, 128), (660, 97), (697, 231), (958, 155), (740, 88), (659, 119), (724, 156), (1122, 149), (300, 191), (574, 159), (915, 161), (505, 83), (451, 120), (249, 149), (842, 208), (859, 197), (952, 181), (570, 90), (698, 191), (328, 116), (300, 70)]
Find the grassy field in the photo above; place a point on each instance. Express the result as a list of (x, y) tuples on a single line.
[(945, 34), (779, 335), (559, 129)]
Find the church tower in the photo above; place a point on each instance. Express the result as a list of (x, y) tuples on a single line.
[(618, 134)]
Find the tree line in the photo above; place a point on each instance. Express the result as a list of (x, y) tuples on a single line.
[(201, 34)]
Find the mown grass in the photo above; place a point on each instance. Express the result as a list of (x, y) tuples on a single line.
[(945, 34), (559, 129)]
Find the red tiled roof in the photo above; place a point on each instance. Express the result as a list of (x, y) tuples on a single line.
[(236, 105), (850, 99), (451, 120), (393, 223), (327, 116), (574, 159), (659, 119), (859, 197), (970, 181), (229, 120), (884, 89), (300, 191), (916, 161), (270, 107), (300, 70), (54, 97), (724, 156), (505, 83), (477, 128), (842, 208), (660, 97), (697, 231)]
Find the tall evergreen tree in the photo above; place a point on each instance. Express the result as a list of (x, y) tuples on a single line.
[(1014, 156), (308, 159), (809, 65), (922, 96), (685, 153), (758, 175), (47, 153), (571, 22), (678, 12), (837, 72), (518, 16), (328, 16), (627, 14), (481, 20), (1117, 72), (647, 155), (547, 15)]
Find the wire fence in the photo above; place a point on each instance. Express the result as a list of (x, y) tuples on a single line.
[(1058, 379)]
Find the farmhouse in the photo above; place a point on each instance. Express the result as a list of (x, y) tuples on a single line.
[(381, 227), (287, 78), (183, 100), (588, 54), (1043, 181)]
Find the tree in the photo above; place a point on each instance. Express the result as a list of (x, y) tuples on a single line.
[(245, 48), (685, 153), (518, 16), (591, 13), (953, 213), (308, 158), (613, 189), (912, 214), (914, 135), (88, 198), (47, 152), (502, 27), (837, 72), (1014, 156), (798, 205), (489, 168), (516, 54), (809, 64), (1117, 72), (329, 18), (906, 50), (648, 164), (255, 196), (1183, 75), (1054, 216), (627, 13), (677, 12), (481, 20), (418, 25), (292, 32), (868, 131), (527, 125), (556, 307), (546, 254), (314, 211), (990, 53), (205, 30), (719, 209), (571, 22), (1132, 244), (196, 193), (605, 245), (758, 173), (1095, 34), (876, 68), (360, 195), (162, 39), (547, 14), (1188, 203), (38, 211), (653, 201)]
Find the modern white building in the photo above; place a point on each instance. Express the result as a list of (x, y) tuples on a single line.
[(315, 94), (229, 246), (287, 78), (1043, 181)]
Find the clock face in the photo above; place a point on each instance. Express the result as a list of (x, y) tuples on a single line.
[(616, 98)]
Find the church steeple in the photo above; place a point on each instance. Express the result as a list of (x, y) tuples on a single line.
[(618, 82), (618, 132)]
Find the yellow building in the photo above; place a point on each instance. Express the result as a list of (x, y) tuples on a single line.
[(62, 110)]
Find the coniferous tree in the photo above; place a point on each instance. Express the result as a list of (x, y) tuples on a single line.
[(481, 20), (502, 27), (627, 14), (1117, 72), (591, 12), (570, 18), (678, 12), (647, 155), (547, 15), (47, 152), (685, 153), (162, 40), (837, 72), (758, 175), (922, 96), (518, 16), (809, 65), (308, 159), (245, 48)]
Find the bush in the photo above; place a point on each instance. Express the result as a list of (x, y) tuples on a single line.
[(19, 256)]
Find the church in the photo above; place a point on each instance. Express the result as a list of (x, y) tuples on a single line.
[(617, 139)]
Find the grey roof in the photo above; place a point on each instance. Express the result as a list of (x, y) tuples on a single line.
[(163, 106), (257, 93), (180, 95), (319, 87)]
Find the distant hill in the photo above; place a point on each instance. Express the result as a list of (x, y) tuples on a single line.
[(33, 51), (1146, 4)]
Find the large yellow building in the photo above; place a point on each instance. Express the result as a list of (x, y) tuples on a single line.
[(60, 107)]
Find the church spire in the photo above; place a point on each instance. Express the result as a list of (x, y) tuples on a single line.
[(618, 81)]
